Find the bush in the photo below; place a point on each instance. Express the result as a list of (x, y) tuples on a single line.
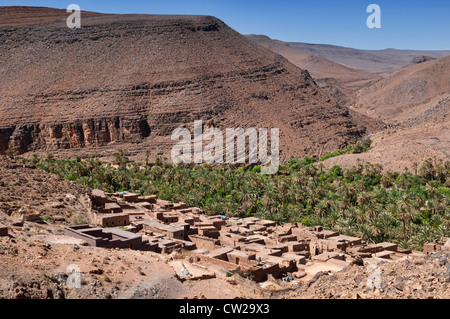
[(362, 146), (257, 169), (307, 222), (358, 148), (79, 220), (10, 151)]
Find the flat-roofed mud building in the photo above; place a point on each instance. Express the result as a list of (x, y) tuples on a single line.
[(108, 237)]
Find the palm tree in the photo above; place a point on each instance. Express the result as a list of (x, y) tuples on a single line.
[(121, 158), (416, 168), (405, 214), (147, 156)]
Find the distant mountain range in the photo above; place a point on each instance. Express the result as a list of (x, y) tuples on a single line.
[(408, 90), (367, 60)]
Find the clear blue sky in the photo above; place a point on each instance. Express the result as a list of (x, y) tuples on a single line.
[(413, 24)]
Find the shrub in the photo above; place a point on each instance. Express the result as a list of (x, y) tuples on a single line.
[(79, 220)]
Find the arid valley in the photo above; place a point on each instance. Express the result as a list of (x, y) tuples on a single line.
[(93, 206)]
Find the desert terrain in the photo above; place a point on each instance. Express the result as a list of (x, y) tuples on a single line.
[(408, 93), (86, 118), (100, 86), (37, 254)]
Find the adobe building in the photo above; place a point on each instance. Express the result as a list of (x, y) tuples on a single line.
[(113, 220), (431, 248), (131, 198), (259, 247), (113, 208), (149, 199), (166, 216), (171, 231), (108, 238), (237, 257), (205, 242), (99, 198)]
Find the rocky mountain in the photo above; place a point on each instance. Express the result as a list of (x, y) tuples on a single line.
[(415, 103), (337, 79), (408, 92), (318, 66), (135, 78), (21, 16), (413, 99)]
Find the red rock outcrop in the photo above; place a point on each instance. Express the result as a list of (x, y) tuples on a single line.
[(135, 78)]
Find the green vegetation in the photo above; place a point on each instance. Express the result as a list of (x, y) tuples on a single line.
[(405, 208), (357, 148), (79, 220), (10, 150)]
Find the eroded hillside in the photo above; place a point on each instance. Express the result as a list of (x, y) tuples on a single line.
[(134, 79)]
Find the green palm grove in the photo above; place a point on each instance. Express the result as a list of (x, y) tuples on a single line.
[(408, 208)]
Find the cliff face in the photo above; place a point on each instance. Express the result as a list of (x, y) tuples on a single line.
[(78, 134), (135, 78)]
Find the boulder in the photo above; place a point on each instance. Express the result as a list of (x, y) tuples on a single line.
[(27, 214)]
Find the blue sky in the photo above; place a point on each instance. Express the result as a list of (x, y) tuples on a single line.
[(414, 24)]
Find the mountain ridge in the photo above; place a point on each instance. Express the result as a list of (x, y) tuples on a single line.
[(373, 61), (135, 78)]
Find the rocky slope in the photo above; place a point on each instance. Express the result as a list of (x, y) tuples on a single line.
[(408, 92), (134, 79), (424, 278), (21, 16), (36, 256), (316, 65), (26, 191), (337, 79), (413, 101)]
